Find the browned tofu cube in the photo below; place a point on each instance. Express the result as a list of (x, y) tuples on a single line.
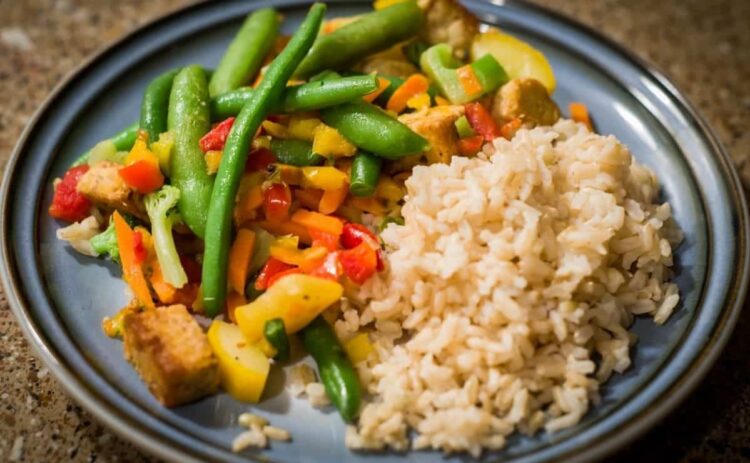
[(171, 354)]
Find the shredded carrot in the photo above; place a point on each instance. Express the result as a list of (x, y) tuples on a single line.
[(332, 200), (132, 271), (318, 221), (580, 113), (233, 301), (287, 227), (308, 197), (469, 80), (414, 85), (239, 259), (382, 85)]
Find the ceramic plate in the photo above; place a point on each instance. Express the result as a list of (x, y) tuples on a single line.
[(60, 297)]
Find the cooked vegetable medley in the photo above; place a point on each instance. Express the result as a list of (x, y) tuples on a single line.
[(253, 193)]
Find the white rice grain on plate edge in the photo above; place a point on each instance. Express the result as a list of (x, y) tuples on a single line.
[(512, 271)]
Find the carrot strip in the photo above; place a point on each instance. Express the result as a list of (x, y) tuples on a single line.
[(382, 85), (414, 85), (580, 113), (287, 227), (468, 79), (318, 221), (132, 271), (239, 259)]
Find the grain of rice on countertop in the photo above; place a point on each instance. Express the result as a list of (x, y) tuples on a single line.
[(513, 272)]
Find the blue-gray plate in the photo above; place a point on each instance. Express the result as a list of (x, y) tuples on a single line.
[(60, 297)]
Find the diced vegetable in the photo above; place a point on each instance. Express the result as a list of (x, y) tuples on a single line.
[(213, 160), (106, 243), (67, 203), (272, 267), (412, 86), (364, 174), (318, 221), (297, 299), (336, 371), (331, 200), (470, 146), (142, 171), (464, 128), (243, 367), (161, 209), (106, 151), (359, 263), (461, 84), (123, 141), (580, 113), (162, 148), (518, 58), (240, 256), (275, 334), (359, 348), (481, 121), (330, 143), (217, 137), (277, 199), (131, 269), (324, 178)]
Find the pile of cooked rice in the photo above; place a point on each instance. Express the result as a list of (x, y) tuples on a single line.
[(510, 290)]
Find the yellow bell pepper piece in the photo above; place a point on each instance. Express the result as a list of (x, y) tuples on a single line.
[(243, 367), (275, 129), (518, 58), (162, 148), (140, 152), (324, 178), (388, 189), (359, 348), (213, 159), (380, 4), (419, 101), (303, 128), (296, 299), (330, 143)]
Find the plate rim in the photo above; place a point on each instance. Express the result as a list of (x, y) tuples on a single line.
[(122, 425)]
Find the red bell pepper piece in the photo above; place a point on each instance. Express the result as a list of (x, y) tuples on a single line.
[(354, 234), (324, 239), (359, 263), (277, 199), (215, 139), (481, 121), (144, 176), (67, 203), (139, 249), (329, 267), (278, 276), (272, 267), (471, 145), (259, 160)]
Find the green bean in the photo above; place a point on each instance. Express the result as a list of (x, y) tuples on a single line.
[(364, 174), (245, 54), (275, 333), (189, 119), (306, 97), (122, 140), (373, 130), (335, 369), (373, 32), (155, 105), (233, 160), (325, 75), (295, 153)]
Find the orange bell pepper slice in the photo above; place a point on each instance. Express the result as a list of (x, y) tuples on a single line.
[(240, 255), (318, 221), (414, 85)]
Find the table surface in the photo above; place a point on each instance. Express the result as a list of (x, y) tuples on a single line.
[(704, 46)]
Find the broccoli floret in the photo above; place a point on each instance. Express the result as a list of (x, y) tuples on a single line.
[(160, 207), (105, 243)]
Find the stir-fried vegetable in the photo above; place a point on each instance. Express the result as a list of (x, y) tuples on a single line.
[(461, 84), (295, 152), (245, 54), (371, 33), (364, 175), (155, 104), (161, 209), (67, 203), (123, 141), (373, 130), (275, 333), (235, 155), (336, 371), (132, 271), (189, 120), (243, 367), (105, 243), (295, 298)]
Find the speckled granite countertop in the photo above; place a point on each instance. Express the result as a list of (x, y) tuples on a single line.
[(703, 45)]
